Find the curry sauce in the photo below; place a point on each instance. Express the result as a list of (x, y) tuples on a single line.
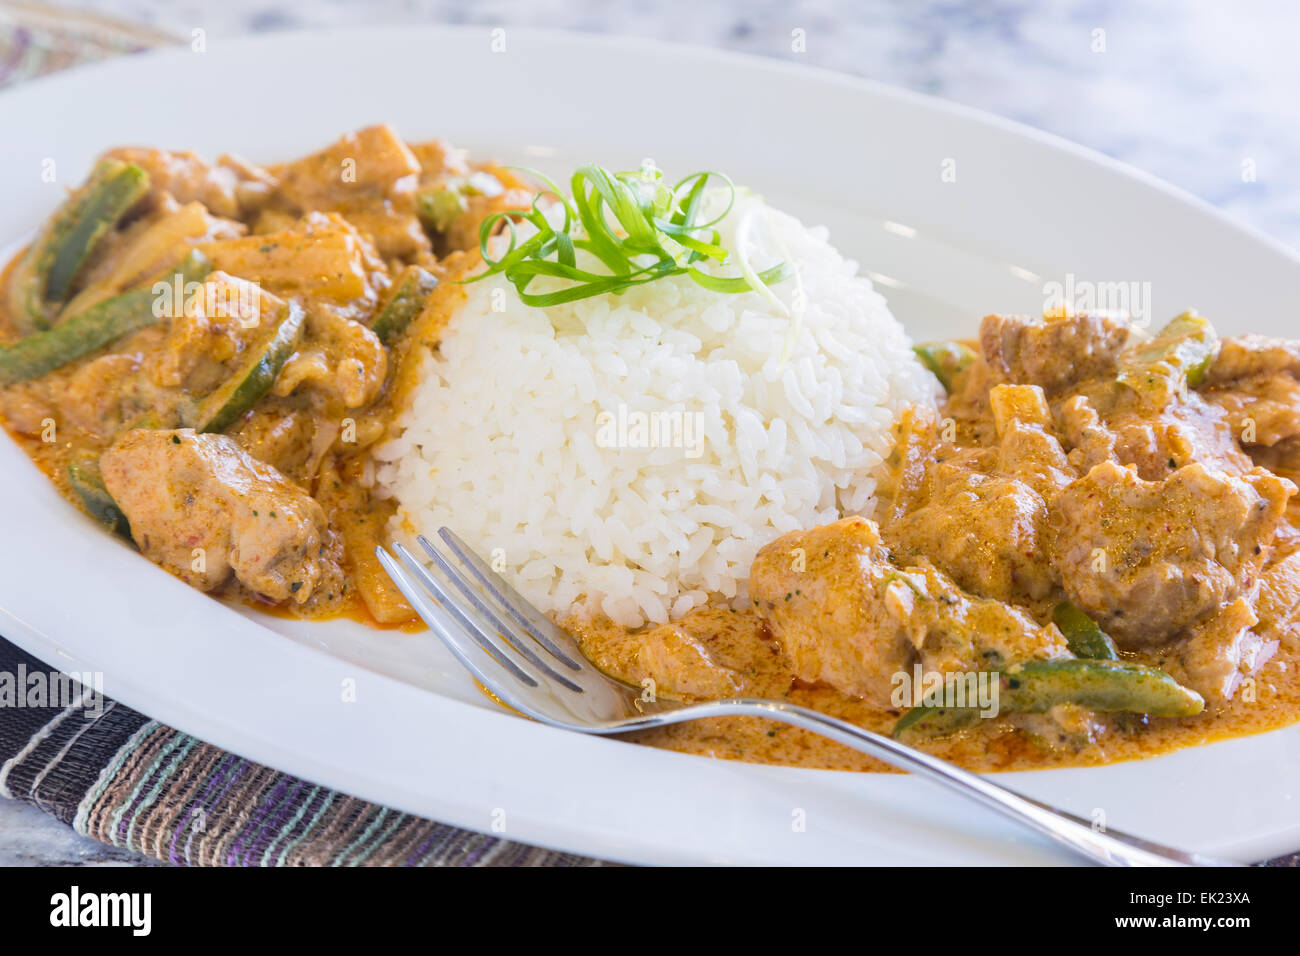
[(304, 295), (1123, 498), (738, 637), (1101, 523)]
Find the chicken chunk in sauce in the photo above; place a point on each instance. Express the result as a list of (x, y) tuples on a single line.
[(827, 595), (1150, 559), (208, 511), (1052, 352), (848, 617)]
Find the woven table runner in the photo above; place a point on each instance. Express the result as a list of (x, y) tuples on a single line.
[(116, 776), (131, 782), (36, 39)]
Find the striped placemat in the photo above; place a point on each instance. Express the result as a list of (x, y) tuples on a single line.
[(116, 776), (37, 39)]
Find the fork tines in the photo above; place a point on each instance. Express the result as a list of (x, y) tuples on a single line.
[(490, 628)]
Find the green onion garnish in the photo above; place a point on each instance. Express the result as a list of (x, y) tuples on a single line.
[(637, 227)]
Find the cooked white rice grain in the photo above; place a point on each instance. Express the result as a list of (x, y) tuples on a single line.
[(507, 437)]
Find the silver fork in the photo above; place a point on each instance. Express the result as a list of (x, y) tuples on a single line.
[(535, 667)]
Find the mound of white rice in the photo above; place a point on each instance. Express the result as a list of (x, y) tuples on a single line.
[(633, 452)]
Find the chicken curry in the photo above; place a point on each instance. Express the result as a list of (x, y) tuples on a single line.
[(1099, 524), (201, 354), (1103, 523)]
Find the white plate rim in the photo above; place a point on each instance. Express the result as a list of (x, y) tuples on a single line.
[(546, 823)]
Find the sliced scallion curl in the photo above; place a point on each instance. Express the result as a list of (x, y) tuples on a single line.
[(633, 224)]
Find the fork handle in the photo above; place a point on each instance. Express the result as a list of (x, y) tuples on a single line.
[(1111, 848)]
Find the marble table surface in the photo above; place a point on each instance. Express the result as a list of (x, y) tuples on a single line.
[(1202, 94)]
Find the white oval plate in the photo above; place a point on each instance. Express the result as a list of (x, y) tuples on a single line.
[(869, 163)]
